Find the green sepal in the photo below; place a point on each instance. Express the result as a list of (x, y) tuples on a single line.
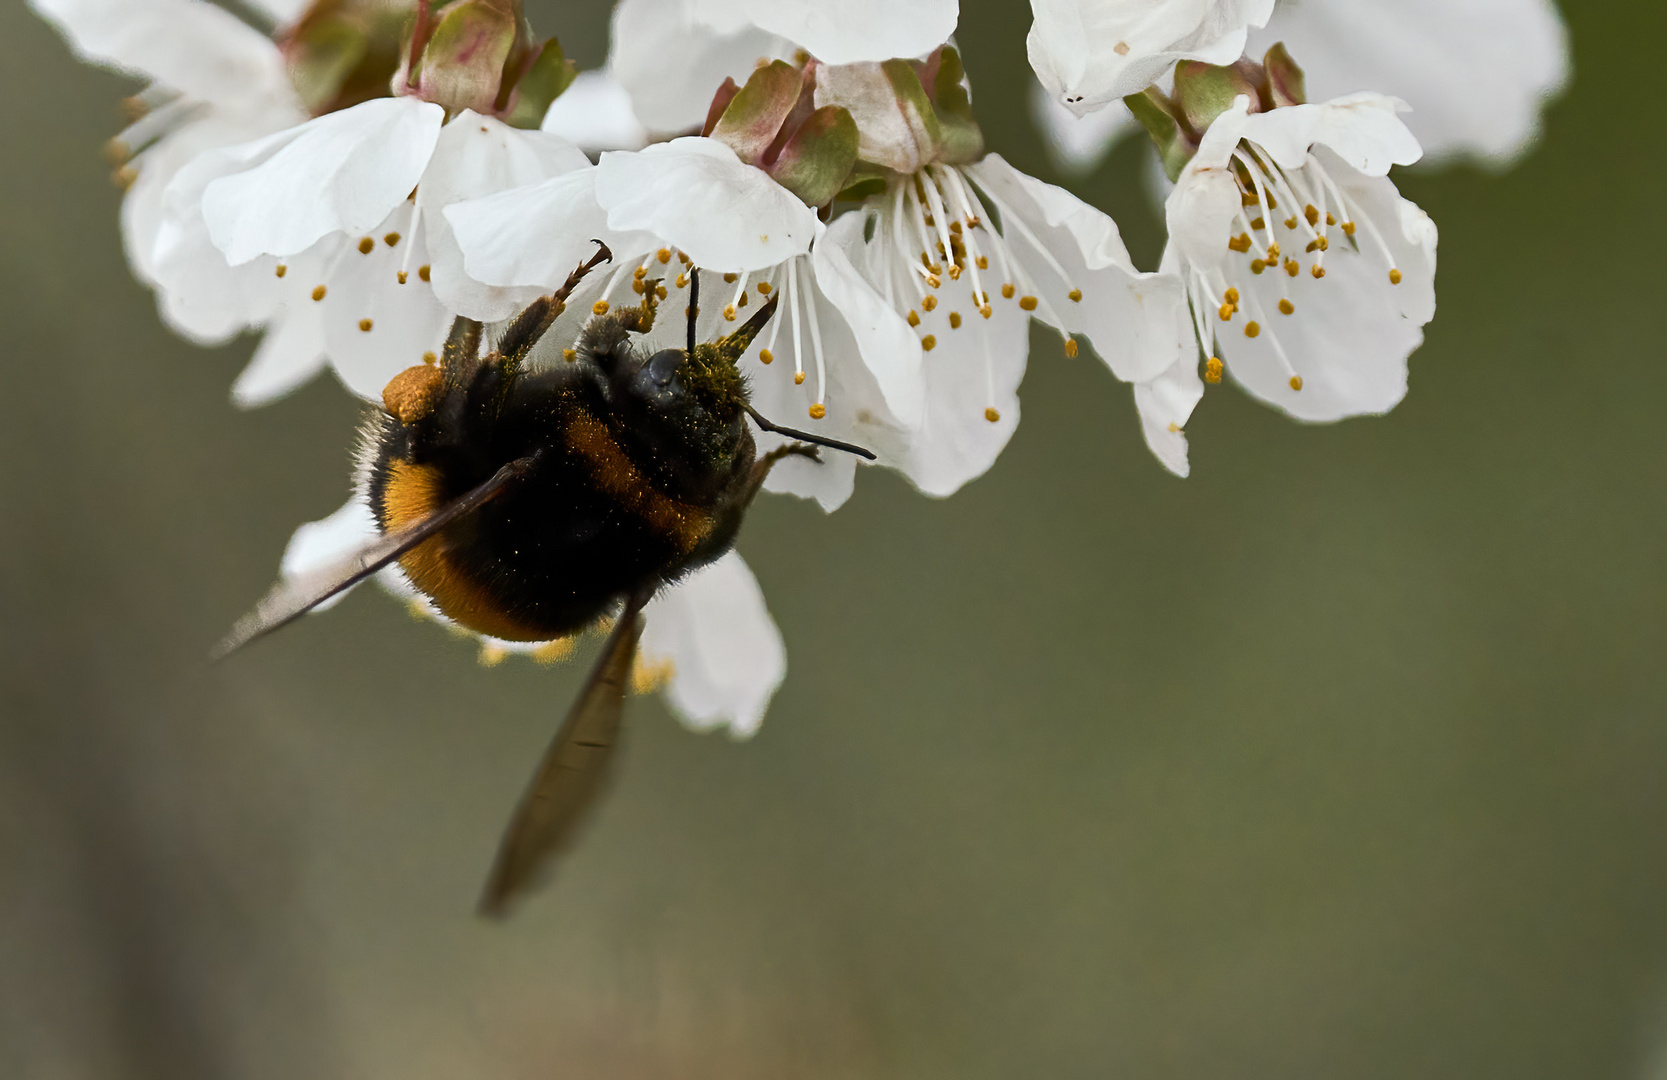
[(320, 57), (1285, 79), (818, 157), (864, 184), (913, 103), (753, 117), (1205, 91), (463, 64), (1153, 110), (949, 88), (545, 80)]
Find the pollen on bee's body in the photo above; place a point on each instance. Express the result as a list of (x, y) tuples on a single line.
[(554, 652), (491, 655), (570, 355)]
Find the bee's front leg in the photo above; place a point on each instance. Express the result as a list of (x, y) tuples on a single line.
[(761, 468)]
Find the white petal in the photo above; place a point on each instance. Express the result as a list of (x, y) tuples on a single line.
[(1129, 318), (1200, 212), (1078, 144), (477, 156), (1352, 331), (281, 12), (1165, 404), (595, 114), (1089, 53), (886, 134), (727, 655), (536, 235), (885, 344), (404, 321), (846, 32), (290, 354), (674, 97), (697, 195), (1365, 130), (318, 544), (343, 172), (1476, 73), (190, 46)]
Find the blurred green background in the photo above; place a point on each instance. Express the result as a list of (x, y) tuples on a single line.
[(1346, 757)]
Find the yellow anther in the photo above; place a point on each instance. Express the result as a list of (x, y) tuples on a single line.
[(928, 343), (318, 292), (955, 320), (664, 255), (1251, 329), (1273, 203), (638, 287), (933, 281), (1075, 296), (391, 239), (1239, 243), (954, 272), (983, 262), (764, 288), (1247, 198), (1273, 252), (1394, 277), (683, 258), (729, 312), (765, 356), (729, 279), (1212, 370), (1292, 268), (1318, 271), (1286, 307), (991, 415), (1007, 292), (1070, 348), (682, 281), (1027, 303), (986, 311), (1290, 223), (1348, 228), (553, 652), (1311, 213), (1258, 223), (914, 318), (423, 271), (1319, 243), (640, 272), (955, 228), (659, 292), (648, 676), (1257, 266), (1174, 428), (365, 325), (1329, 220), (798, 378), (599, 308), (1231, 296), (366, 245), (1226, 312), (929, 303), (818, 411), (1296, 382), (281, 270), (570, 355), (430, 359), (401, 276)]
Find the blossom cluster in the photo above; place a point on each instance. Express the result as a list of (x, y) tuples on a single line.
[(353, 175)]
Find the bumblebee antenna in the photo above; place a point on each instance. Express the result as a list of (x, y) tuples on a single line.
[(694, 306), (805, 436)]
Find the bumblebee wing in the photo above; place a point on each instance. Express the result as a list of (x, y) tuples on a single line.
[(291, 599), (571, 774)]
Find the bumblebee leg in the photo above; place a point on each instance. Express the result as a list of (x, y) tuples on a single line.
[(537, 316), (761, 468)]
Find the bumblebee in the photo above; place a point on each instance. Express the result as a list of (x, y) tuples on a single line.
[(529, 503)]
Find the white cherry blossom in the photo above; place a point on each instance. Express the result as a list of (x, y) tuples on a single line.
[(1476, 73), (1306, 273), (709, 643), (1089, 53), (319, 222)]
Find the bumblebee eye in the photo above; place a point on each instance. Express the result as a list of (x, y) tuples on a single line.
[(662, 366)]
